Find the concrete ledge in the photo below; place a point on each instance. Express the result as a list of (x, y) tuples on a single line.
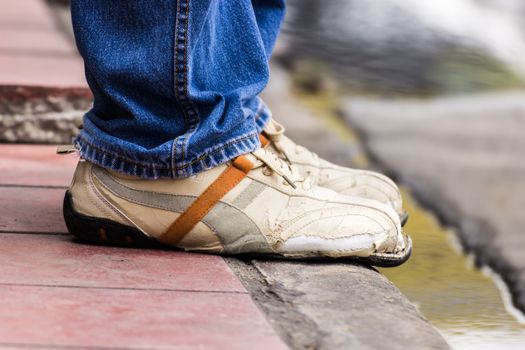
[(336, 306), (31, 114)]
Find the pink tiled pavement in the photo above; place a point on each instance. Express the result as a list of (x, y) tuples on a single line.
[(24, 209), (46, 42), (33, 52), (36, 70), (26, 15), (60, 261), (35, 165), (115, 318)]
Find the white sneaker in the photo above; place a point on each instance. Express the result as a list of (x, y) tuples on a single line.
[(347, 181), (256, 204)]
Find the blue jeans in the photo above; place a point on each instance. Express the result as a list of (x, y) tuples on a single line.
[(175, 82)]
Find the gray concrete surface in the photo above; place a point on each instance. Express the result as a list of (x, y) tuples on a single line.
[(330, 305), (463, 157), (350, 306)]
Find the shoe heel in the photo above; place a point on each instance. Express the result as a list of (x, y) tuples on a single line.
[(103, 231)]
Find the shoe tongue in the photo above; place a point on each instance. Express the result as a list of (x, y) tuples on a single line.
[(275, 133), (282, 144)]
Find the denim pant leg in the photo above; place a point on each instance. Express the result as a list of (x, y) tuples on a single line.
[(175, 83)]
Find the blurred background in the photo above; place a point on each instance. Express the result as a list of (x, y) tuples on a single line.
[(435, 93), (410, 47), (432, 93)]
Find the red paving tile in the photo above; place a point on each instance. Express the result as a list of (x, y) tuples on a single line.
[(25, 209), (33, 51), (26, 14), (57, 260), (38, 70), (50, 42), (130, 318), (35, 165)]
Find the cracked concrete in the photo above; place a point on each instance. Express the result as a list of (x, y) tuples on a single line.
[(352, 306), (335, 306), (298, 331)]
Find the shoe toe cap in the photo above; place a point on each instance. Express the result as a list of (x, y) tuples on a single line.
[(364, 183), (344, 231)]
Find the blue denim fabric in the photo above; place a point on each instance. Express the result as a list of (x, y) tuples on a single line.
[(175, 83)]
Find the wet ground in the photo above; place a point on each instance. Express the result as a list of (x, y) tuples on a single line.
[(464, 303)]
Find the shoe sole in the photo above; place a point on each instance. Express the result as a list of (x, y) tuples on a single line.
[(403, 218), (102, 231), (107, 232)]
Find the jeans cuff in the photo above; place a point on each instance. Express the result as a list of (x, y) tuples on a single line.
[(153, 169), (218, 155)]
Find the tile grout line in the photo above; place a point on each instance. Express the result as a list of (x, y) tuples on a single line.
[(15, 232), (56, 346), (33, 186), (245, 292)]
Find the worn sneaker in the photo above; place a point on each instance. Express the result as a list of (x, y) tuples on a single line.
[(347, 181), (256, 204)]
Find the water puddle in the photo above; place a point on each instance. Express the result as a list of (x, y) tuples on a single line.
[(463, 302)]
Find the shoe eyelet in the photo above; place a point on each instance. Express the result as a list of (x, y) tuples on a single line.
[(267, 171)]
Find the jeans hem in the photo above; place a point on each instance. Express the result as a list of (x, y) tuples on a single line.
[(153, 170)]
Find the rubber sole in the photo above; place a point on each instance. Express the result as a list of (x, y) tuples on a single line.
[(403, 218), (102, 231), (106, 232), (379, 260), (391, 260)]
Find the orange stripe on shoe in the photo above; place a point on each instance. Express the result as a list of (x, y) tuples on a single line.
[(264, 140), (230, 178)]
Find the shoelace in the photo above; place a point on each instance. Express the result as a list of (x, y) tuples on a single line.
[(280, 167), (275, 133)]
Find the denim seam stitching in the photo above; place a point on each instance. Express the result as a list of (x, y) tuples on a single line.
[(181, 88), (191, 105), (176, 141)]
